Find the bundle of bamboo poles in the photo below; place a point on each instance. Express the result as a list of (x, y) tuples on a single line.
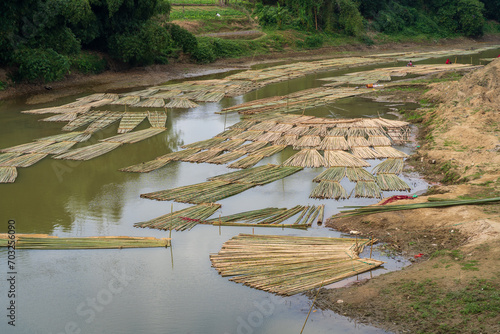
[(103, 121), (205, 144), (250, 135), (288, 265), (263, 126), (368, 189), (44, 241), (247, 161), (306, 158), (329, 189), (89, 152), (157, 119), (228, 145), (25, 160), (142, 93), (343, 159), (365, 153), (230, 133), (98, 97), (287, 140), (270, 137), (32, 147), (8, 156), (63, 117), (331, 174), (83, 120), (181, 102), (76, 136), (225, 158), (252, 147), (298, 130), (258, 175), (203, 156), (307, 142), (133, 137), (269, 150), (206, 192), (181, 220), (167, 94), (379, 141), (57, 148), (211, 97), (244, 124), (8, 174), (152, 102), (357, 141), (130, 120), (389, 152), (178, 155), (127, 100), (355, 174), (389, 166), (268, 217), (367, 210), (331, 143), (58, 110), (390, 182), (146, 167)]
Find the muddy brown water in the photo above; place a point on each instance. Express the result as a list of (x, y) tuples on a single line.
[(171, 290)]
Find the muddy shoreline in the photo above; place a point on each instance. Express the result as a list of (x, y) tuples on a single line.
[(157, 74)]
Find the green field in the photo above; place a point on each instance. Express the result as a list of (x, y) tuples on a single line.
[(204, 13)]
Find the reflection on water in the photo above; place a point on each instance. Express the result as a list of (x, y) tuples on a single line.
[(169, 290)]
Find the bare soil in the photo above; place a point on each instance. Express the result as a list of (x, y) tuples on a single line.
[(452, 286)]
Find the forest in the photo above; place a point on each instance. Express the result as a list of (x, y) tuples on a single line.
[(44, 40)]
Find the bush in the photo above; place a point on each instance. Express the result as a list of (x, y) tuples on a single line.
[(87, 63), (205, 52), (314, 41), (224, 48), (40, 64), (183, 39)]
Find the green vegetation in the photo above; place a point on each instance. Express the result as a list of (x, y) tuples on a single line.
[(43, 40)]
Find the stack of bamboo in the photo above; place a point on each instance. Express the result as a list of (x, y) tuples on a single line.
[(288, 265)]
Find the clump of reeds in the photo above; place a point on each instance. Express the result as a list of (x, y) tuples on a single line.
[(306, 158), (391, 182), (389, 166)]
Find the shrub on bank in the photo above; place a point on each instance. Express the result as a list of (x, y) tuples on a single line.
[(88, 63), (40, 65)]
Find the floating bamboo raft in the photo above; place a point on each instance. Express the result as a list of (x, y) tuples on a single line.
[(8, 174), (306, 158), (389, 152), (366, 153), (157, 119), (127, 100), (32, 147), (368, 189), (75, 136), (331, 143), (63, 117), (247, 162), (355, 174), (343, 159), (58, 110), (205, 144), (181, 220), (225, 158), (307, 142), (146, 167), (25, 160), (57, 148), (252, 147), (89, 152), (391, 182), (288, 265), (329, 189), (134, 137), (83, 120), (228, 145), (331, 174), (269, 150), (8, 156), (389, 166), (181, 102), (258, 175), (230, 133), (150, 103), (44, 241), (103, 122), (203, 156), (130, 121)]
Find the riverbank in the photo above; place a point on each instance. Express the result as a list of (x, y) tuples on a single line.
[(452, 287), (179, 69)]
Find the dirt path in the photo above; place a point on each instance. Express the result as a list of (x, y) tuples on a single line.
[(157, 74)]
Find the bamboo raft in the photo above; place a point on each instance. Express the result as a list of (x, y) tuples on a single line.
[(157, 119), (331, 174), (355, 174), (389, 152), (82, 120), (146, 167), (130, 121), (389, 166), (181, 102), (181, 220), (89, 152), (287, 265), (32, 147), (368, 189), (306, 158), (104, 121), (25, 160), (75, 136), (327, 189), (44, 241), (246, 162), (8, 174), (134, 137), (390, 182), (150, 103), (343, 159)]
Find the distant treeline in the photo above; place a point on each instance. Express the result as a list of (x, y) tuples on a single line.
[(441, 18), (43, 40)]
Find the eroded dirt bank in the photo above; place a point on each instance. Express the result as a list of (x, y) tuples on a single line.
[(454, 284)]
